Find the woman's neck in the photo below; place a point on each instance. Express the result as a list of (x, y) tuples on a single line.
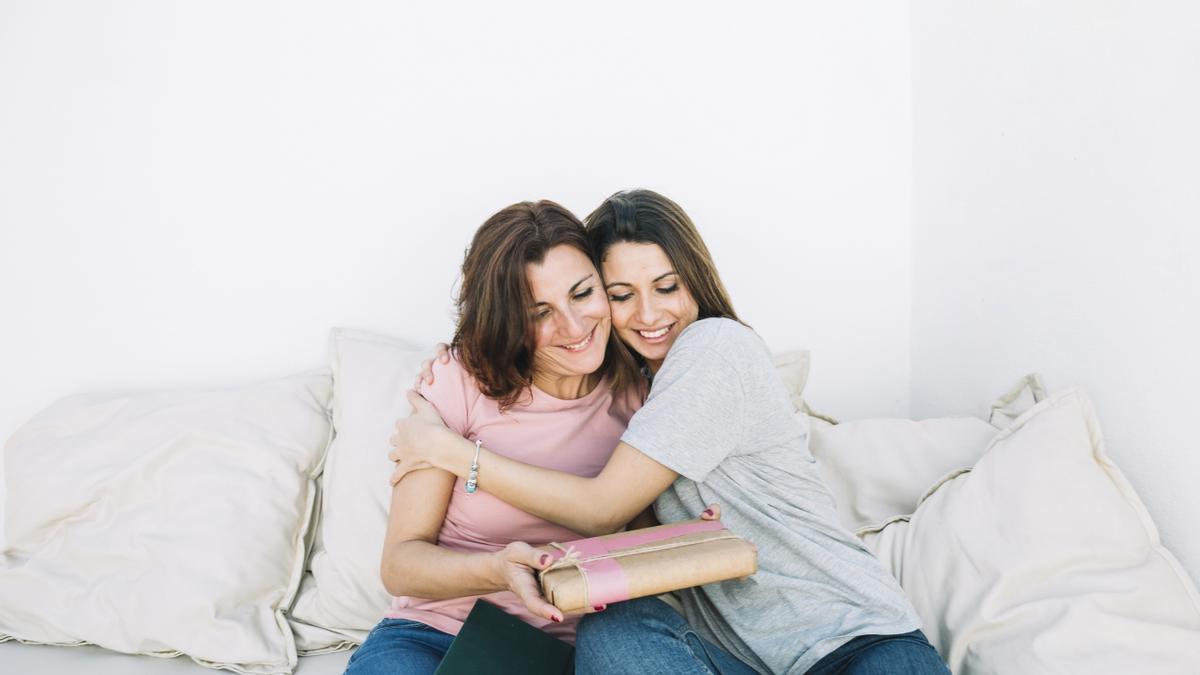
[(566, 387)]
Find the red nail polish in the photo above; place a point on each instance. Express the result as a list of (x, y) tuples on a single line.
[(599, 608), (555, 619), (545, 557), (708, 512)]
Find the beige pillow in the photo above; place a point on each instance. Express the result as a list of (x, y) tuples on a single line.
[(792, 367), (1025, 394), (1042, 559), (343, 597), (879, 468), (165, 523)]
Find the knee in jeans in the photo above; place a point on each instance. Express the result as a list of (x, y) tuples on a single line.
[(598, 627), (620, 619), (900, 656)]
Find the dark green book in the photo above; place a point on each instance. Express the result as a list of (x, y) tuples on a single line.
[(497, 643)]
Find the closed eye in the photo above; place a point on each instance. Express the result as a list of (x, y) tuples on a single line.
[(620, 298), (584, 294), (669, 289)]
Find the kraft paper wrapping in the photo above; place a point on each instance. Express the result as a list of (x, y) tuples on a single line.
[(635, 564)]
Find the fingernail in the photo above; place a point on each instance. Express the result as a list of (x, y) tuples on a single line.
[(599, 608), (545, 557), (555, 619), (708, 512)]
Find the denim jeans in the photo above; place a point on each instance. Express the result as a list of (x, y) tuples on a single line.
[(647, 636), (400, 647), (883, 655)]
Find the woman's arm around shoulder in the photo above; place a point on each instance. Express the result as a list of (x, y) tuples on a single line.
[(592, 506)]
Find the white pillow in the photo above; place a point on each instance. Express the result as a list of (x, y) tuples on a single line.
[(793, 370), (1027, 392), (1042, 559), (165, 523), (879, 468), (343, 597)]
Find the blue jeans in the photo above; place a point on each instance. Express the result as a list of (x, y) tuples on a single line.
[(883, 655), (400, 647), (647, 636)]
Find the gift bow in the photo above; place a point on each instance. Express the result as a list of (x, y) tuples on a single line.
[(604, 579)]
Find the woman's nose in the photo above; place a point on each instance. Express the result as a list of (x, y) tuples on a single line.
[(571, 324), (646, 312)]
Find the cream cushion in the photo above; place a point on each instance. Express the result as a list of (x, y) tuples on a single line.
[(792, 367), (1042, 559), (343, 597), (165, 523), (879, 468), (1026, 393)]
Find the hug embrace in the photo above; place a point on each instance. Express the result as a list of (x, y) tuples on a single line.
[(599, 379)]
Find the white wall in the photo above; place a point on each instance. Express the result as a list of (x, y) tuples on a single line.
[(192, 194), (1056, 223)]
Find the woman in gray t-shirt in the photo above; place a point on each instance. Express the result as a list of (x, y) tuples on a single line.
[(718, 427)]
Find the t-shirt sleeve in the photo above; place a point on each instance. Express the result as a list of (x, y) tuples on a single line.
[(692, 419), (451, 393)]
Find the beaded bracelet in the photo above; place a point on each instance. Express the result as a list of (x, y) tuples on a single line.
[(473, 477)]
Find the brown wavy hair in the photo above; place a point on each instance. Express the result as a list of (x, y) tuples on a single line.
[(495, 337), (645, 217)]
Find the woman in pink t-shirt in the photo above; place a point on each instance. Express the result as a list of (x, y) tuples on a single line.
[(532, 375)]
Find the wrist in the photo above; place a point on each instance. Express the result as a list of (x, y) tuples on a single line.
[(497, 562), (436, 444), (454, 455)]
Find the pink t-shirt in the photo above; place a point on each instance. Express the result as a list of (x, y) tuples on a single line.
[(575, 436)]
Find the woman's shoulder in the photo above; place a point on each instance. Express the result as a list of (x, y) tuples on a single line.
[(718, 343), (451, 372), (719, 334), (453, 385)]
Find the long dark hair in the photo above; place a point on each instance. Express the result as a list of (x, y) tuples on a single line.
[(494, 339), (645, 217)]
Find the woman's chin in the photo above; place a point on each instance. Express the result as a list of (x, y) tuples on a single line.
[(649, 352), (587, 364), (595, 363)]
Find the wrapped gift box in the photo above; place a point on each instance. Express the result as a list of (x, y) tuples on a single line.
[(635, 564)]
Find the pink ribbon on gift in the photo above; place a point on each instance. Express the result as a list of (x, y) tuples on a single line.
[(603, 576)]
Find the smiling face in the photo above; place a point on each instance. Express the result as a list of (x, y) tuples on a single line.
[(571, 320), (650, 305)]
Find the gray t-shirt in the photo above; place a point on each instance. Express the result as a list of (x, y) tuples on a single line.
[(719, 415)]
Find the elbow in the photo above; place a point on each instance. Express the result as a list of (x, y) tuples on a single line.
[(392, 571), (390, 585), (616, 518), (391, 580), (601, 523)]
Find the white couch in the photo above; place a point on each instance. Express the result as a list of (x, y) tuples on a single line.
[(130, 518), (49, 660)]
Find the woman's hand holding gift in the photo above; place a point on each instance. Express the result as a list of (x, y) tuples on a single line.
[(517, 565)]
